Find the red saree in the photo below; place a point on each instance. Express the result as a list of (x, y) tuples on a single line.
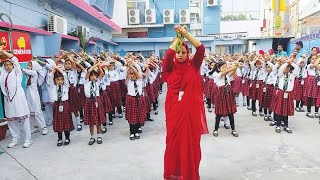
[(185, 119)]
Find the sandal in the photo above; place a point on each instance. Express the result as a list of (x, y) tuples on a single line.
[(99, 140), (91, 142)]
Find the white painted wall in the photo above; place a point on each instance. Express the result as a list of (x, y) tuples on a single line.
[(251, 27), (120, 13)]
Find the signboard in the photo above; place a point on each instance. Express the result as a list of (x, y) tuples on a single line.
[(4, 39), (283, 4), (21, 46), (308, 8), (277, 22)]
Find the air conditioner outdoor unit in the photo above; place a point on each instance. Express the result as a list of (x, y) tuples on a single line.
[(212, 2), (150, 16), (57, 24), (184, 16), (85, 31), (168, 16), (134, 16)]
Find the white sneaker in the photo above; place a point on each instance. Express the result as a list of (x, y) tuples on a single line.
[(27, 144), (13, 143), (45, 131)]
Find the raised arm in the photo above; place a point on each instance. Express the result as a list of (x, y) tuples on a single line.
[(167, 65), (91, 69)]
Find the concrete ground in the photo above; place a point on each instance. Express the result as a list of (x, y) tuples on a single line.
[(258, 154)]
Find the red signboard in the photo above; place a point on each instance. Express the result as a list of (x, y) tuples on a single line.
[(21, 46), (4, 39)]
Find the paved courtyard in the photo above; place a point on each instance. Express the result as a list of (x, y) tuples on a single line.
[(258, 154)]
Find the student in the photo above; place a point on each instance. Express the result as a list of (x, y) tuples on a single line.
[(267, 90), (93, 110), (15, 103), (62, 119), (226, 104), (282, 104), (299, 84), (33, 97), (256, 84), (311, 88), (135, 108)]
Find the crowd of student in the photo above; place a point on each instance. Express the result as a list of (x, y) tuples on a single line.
[(91, 88), (275, 81)]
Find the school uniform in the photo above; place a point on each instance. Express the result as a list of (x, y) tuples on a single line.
[(15, 103), (74, 101), (211, 90), (80, 88), (93, 109), (105, 83), (62, 119), (299, 85), (122, 80), (115, 89), (256, 86), (311, 87), (237, 81), (267, 90), (45, 92), (32, 95), (245, 84), (282, 103)]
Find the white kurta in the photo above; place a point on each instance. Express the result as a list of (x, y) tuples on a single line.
[(15, 102), (32, 93)]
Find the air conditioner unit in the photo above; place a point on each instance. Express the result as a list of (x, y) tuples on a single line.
[(168, 16), (134, 16), (212, 2), (57, 24), (85, 31), (150, 16), (184, 16)]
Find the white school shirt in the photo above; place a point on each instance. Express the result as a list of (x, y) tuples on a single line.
[(54, 88), (311, 70), (204, 68), (46, 93), (241, 72), (82, 77), (121, 70), (72, 77), (130, 86), (292, 76), (32, 93), (220, 80), (304, 72), (96, 88), (105, 81)]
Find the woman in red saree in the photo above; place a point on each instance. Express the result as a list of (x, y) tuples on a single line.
[(184, 107)]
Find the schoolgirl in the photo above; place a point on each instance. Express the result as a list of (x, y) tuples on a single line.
[(94, 114), (225, 105), (256, 85), (211, 88), (299, 84)]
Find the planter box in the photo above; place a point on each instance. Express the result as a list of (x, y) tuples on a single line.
[(3, 128)]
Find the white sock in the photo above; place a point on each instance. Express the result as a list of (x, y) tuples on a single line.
[(78, 119), (244, 99)]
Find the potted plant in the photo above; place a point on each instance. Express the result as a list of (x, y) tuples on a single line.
[(3, 128)]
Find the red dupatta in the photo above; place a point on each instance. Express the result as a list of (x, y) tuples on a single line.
[(185, 119)]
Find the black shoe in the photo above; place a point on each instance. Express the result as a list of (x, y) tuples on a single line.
[(79, 127), (254, 114), (104, 130), (288, 130), (282, 124), (310, 115), (67, 142), (132, 137), (266, 118), (110, 123), (150, 119), (234, 133), (278, 130), (156, 112), (99, 140), (302, 110), (120, 115), (272, 123), (226, 126), (139, 130), (92, 141), (81, 120), (215, 133), (261, 114), (59, 143), (249, 108), (137, 136)]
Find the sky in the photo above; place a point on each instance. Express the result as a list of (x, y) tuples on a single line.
[(240, 5)]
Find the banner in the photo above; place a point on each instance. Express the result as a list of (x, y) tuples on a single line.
[(4, 39), (282, 6), (21, 46), (277, 22)]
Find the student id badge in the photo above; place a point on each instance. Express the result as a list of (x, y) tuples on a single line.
[(257, 85), (61, 108), (180, 95), (78, 90), (243, 81), (285, 95), (264, 89), (97, 105), (302, 82), (250, 85)]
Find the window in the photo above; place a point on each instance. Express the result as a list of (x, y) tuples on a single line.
[(194, 18)]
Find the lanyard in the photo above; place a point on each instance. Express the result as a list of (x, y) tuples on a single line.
[(256, 76), (136, 91), (300, 73), (59, 94), (93, 90), (265, 82)]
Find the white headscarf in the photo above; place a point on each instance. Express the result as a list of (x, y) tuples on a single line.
[(9, 81)]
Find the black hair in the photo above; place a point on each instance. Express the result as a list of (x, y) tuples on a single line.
[(300, 44), (57, 75), (280, 45), (92, 73), (291, 68), (218, 65)]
